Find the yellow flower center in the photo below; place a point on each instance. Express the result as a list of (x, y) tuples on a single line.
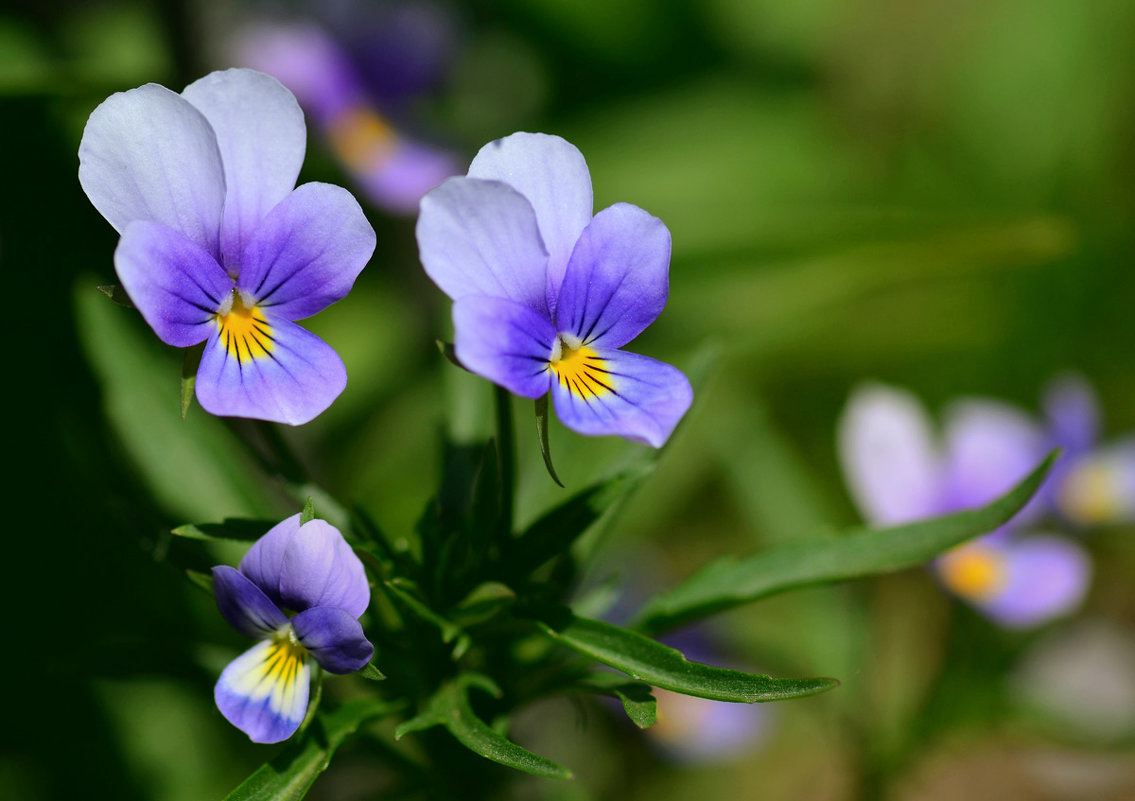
[(579, 369), (361, 138), (1089, 494), (244, 329), (973, 571)]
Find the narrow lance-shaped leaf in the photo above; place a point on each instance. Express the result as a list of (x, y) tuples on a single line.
[(638, 701), (308, 512), (554, 533), (231, 529), (449, 707), (662, 666), (542, 433), (730, 581), (289, 776)]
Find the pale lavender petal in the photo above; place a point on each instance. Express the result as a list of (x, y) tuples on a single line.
[(280, 372), (505, 342), (697, 730), (320, 569), (176, 285), (1047, 577), (149, 154), (244, 605), (397, 176), (552, 174), (307, 252), (264, 562), (618, 277), (261, 134), (1099, 487), (888, 455), (334, 638), (264, 691), (480, 238), (1072, 409), (989, 447), (307, 61), (601, 391)]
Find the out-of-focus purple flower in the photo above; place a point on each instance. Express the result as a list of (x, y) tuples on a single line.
[(898, 470), (308, 569), (545, 294), (218, 245), (355, 71)]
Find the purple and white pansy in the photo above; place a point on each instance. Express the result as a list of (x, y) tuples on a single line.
[(898, 470), (307, 569), (217, 243), (545, 294)]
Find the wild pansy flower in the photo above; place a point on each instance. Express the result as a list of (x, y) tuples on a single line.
[(897, 470), (307, 569), (355, 72), (545, 294), (218, 245)]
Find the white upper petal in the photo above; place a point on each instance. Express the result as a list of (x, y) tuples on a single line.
[(148, 154), (552, 174), (889, 460), (262, 138), (480, 238)]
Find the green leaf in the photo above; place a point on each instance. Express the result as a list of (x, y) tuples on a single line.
[(449, 707), (289, 776), (662, 666), (450, 353), (189, 377), (638, 701), (484, 602), (232, 529), (308, 513), (403, 591), (542, 433), (371, 672), (117, 294), (202, 580), (554, 533), (730, 581)]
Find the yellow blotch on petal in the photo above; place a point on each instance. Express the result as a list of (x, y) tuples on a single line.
[(1090, 495), (973, 571), (361, 138), (579, 369), (245, 332)]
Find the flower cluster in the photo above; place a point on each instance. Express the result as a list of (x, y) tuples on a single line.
[(307, 569), (217, 243), (545, 294), (1019, 575)]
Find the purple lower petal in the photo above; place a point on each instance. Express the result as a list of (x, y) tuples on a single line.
[(270, 370), (334, 638), (617, 281), (244, 605), (320, 569), (307, 252), (264, 691), (1046, 577), (175, 284), (611, 392), (504, 341)]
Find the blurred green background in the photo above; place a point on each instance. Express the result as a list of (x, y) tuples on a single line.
[(935, 194)]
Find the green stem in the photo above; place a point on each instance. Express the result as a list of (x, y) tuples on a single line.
[(506, 454)]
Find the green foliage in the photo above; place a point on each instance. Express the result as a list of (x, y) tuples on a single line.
[(449, 707), (289, 776), (730, 581), (643, 658), (638, 701)]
